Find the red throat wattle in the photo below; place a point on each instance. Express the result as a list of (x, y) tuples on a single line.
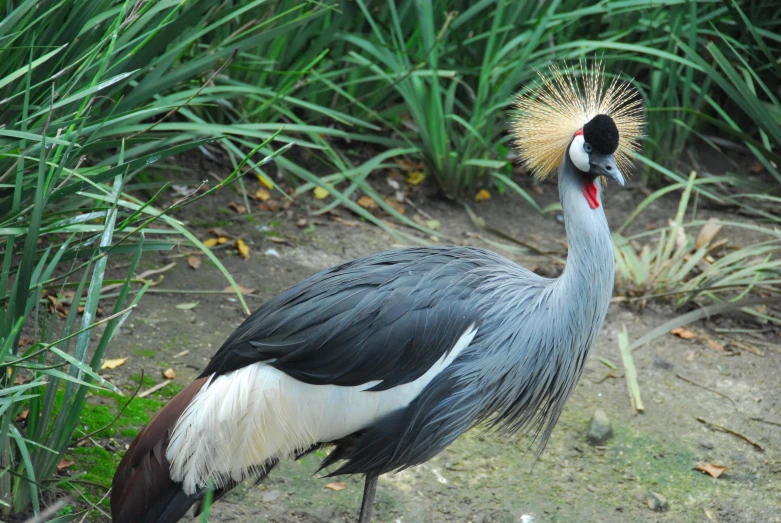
[(590, 192)]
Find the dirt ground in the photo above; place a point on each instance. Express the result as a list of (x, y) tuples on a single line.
[(482, 478)]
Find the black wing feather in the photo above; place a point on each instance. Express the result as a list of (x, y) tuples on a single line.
[(387, 317)]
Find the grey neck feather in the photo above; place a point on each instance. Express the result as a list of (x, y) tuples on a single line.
[(590, 269), (529, 354)]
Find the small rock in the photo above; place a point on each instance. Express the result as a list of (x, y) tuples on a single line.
[(600, 430), (706, 444), (657, 502), (271, 495), (663, 364)]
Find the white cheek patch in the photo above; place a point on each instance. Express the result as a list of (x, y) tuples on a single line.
[(578, 156)]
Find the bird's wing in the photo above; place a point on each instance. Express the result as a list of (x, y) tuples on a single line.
[(386, 318)]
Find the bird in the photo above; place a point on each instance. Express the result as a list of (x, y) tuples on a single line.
[(389, 358)]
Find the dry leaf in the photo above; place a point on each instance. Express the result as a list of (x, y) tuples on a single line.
[(301, 222), (415, 177), (243, 248), (320, 193), (169, 373), (265, 181), (483, 195), (434, 225), (22, 416), (113, 363), (187, 306), (219, 231), (708, 232), (262, 195), (211, 242), (757, 167), (64, 464), (715, 345), (269, 205), (238, 208), (367, 202), (686, 334), (336, 485), (243, 289), (713, 471), (399, 208), (194, 262), (222, 239)]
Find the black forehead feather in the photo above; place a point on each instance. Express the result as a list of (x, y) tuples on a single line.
[(601, 132)]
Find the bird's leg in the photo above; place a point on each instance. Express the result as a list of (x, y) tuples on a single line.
[(369, 488)]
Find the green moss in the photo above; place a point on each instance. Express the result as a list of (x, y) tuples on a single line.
[(146, 353)]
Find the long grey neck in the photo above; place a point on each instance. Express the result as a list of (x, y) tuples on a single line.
[(586, 286)]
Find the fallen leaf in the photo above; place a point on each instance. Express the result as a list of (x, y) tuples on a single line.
[(483, 195), (336, 485), (708, 232), (262, 195), (265, 181), (187, 306), (320, 193), (222, 239), (238, 208), (399, 208), (243, 248), (686, 334), (211, 242), (715, 345), (301, 222), (415, 177), (434, 225), (64, 464), (113, 363), (22, 416), (219, 231), (756, 167), (269, 205), (711, 470), (367, 202), (194, 262), (169, 373)]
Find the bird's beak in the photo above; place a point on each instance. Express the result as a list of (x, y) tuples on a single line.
[(605, 165)]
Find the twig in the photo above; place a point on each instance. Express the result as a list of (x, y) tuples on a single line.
[(109, 424), (707, 388), (607, 362), (203, 86), (630, 372), (745, 346), (50, 511), (154, 389), (734, 433), (143, 276), (421, 211), (763, 420)]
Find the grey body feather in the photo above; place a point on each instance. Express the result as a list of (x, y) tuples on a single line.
[(390, 316)]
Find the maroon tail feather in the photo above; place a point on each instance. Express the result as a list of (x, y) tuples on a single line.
[(142, 490)]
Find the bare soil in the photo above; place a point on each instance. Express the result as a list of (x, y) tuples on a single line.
[(481, 478)]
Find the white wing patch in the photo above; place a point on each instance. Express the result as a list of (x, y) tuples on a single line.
[(240, 420)]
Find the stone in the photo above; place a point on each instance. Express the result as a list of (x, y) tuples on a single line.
[(600, 429), (706, 444), (663, 364), (657, 502), (271, 495)]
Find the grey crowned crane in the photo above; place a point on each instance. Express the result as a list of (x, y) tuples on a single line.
[(391, 357)]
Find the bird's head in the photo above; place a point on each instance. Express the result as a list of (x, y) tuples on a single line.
[(573, 115), (592, 148)]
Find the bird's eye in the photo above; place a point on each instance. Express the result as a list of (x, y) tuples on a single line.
[(587, 147)]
